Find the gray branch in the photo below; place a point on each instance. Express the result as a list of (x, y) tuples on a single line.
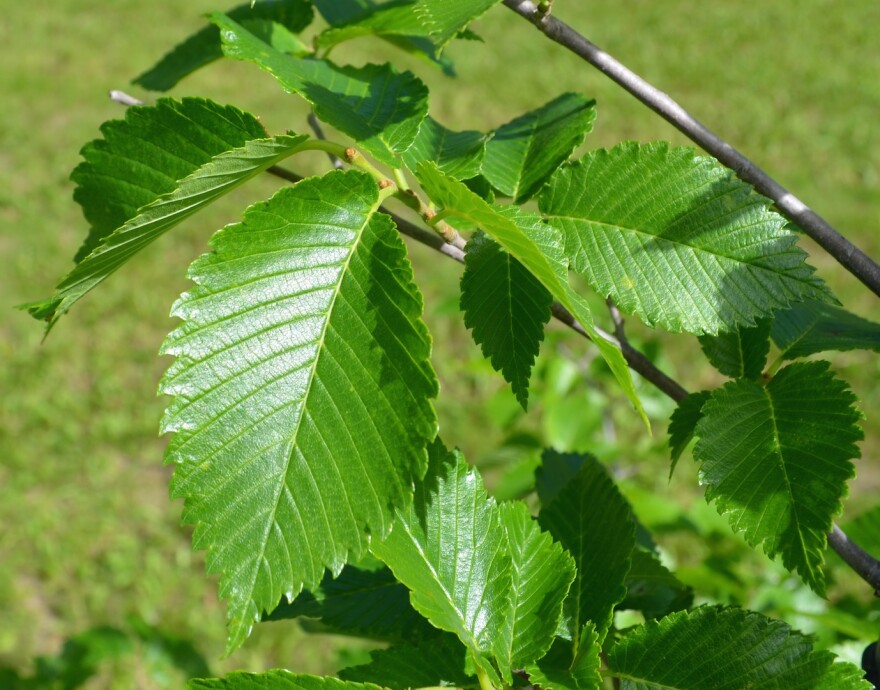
[(845, 252)]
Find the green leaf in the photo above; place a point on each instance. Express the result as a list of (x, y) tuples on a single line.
[(376, 106), (562, 670), (506, 309), (450, 550), (440, 662), (718, 648), (594, 523), (536, 246), (542, 575), (203, 47), (811, 327), (275, 680), (445, 19), (776, 459), (741, 353), (458, 154), (362, 603), (302, 390), (676, 239), (683, 423), (865, 530), (556, 471), (523, 154), (652, 589)]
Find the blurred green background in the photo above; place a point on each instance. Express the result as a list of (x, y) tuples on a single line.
[(89, 536)]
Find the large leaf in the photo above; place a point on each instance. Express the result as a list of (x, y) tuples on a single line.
[(203, 47), (458, 154), (536, 246), (376, 106), (447, 18), (301, 389), (359, 602), (776, 459), (811, 327), (506, 309), (722, 649), (676, 239), (218, 176), (741, 353), (594, 523), (275, 680), (525, 152)]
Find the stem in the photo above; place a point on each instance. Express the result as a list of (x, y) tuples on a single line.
[(845, 252), (400, 179), (319, 134), (483, 677), (865, 565)]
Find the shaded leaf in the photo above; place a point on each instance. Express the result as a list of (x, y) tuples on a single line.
[(523, 154), (683, 423), (741, 353), (676, 239), (302, 389), (810, 327), (776, 459), (652, 589), (376, 106), (556, 471), (458, 154), (203, 47), (275, 680), (561, 669), (506, 309), (719, 648)]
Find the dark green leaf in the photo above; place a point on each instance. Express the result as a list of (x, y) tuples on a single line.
[(741, 353), (676, 239), (203, 47), (458, 154), (683, 423), (523, 154), (562, 670), (652, 589), (556, 471), (302, 390), (506, 308), (776, 459), (810, 327)]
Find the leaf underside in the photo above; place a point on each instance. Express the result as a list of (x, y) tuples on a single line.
[(301, 391)]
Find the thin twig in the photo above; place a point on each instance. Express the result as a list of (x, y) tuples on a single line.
[(867, 567), (617, 319), (845, 252), (123, 98)]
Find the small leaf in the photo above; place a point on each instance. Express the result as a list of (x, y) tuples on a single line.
[(275, 680), (810, 327), (523, 154), (376, 106), (594, 523), (683, 423), (203, 47), (722, 649), (652, 589), (562, 670), (458, 154), (302, 391), (741, 353), (536, 246), (776, 459), (676, 239), (445, 19), (506, 308)]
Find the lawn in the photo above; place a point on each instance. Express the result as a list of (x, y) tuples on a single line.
[(90, 537)]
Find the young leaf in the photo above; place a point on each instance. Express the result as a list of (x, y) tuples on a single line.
[(440, 662), (362, 603), (445, 19), (722, 649), (676, 239), (376, 106), (810, 327), (275, 680), (523, 154), (594, 523), (536, 246), (458, 154), (776, 458), (302, 391), (652, 589), (741, 353), (562, 669), (506, 309), (203, 47), (683, 423)]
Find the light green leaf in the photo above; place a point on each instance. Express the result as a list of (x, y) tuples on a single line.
[(776, 459), (722, 649), (362, 603), (302, 389), (811, 327), (523, 154), (676, 239), (536, 246), (683, 423), (203, 47), (148, 178), (741, 353), (376, 106), (445, 19), (458, 154), (652, 589), (562, 670), (594, 523), (506, 309), (450, 549), (275, 680), (542, 574), (440, 662)]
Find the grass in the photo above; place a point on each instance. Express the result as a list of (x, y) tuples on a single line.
[(90, 536)]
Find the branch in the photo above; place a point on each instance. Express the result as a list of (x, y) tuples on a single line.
[(867, 567), (845, 252)]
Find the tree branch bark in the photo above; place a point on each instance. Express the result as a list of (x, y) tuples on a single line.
[(845, 252)]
